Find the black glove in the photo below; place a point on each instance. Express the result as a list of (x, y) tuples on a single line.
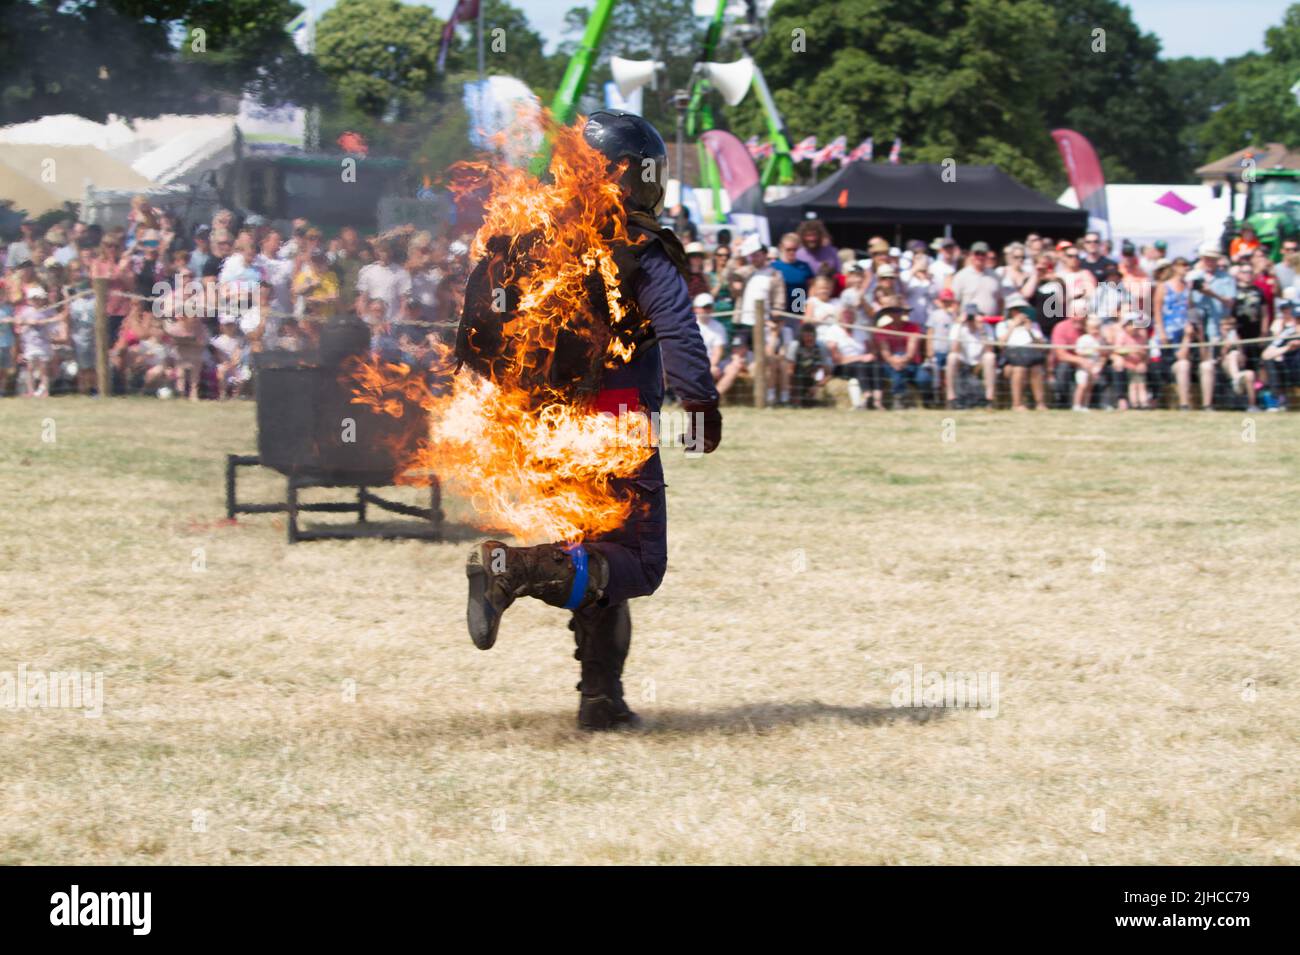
[(703, 426)]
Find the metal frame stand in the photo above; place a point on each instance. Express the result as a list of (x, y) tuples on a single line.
[(427, 527)]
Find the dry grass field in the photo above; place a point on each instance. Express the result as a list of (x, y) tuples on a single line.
[(1131, 581)]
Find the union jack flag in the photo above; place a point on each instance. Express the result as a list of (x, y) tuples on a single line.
[(863, 150), (804, 149), (758, 150), (830, 152)]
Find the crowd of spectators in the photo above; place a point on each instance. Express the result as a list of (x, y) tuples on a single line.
[(1071, 324), (189, 307)]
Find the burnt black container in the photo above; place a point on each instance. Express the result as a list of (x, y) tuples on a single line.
[(310, 428)]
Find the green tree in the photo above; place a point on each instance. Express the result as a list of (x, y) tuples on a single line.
[(380, 56), (1201, 86), (95, 57), (959, 80), (523, 55), (246, 44), (86, 58), (1261, 108), (1111, 85)]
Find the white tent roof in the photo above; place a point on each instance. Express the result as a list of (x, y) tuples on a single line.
[(1138, 216), (187, 155), (66, 129)]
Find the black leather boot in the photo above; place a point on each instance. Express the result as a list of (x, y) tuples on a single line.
[(603, 636), (553, 573)]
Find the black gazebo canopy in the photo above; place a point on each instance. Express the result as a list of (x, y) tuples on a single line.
[(918, 201)]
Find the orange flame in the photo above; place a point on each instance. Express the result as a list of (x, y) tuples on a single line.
[(533, 457)]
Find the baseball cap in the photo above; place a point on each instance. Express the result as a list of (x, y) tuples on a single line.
[(1210, 248), (877, 245), (946, 295), (885, 272), (1161, 244), (696, 248), (978, 247), (941, 243), (703, 300), (751, 244)]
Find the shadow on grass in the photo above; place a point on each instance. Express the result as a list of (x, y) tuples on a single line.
[(552, 727), (764, 717), (750, 719)]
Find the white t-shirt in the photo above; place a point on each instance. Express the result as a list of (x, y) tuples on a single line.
[(35, 337), (226, 345), (1020, 334), (757, 289), (851, 344), (920, 296), (233, 268), (1087, 346), (714, 335), (939, 272), (818, 311), (250, 320), (853, 298), (940, 322), (388, 282), (277, 273), (967, 343)]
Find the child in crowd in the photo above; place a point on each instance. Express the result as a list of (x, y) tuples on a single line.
[(1131, 357), (1089, 348), (34, 330), (228, 348), (1232, 359)]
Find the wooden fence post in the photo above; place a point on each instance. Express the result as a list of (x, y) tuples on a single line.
[(103, 374)]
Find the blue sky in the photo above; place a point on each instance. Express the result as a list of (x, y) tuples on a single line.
[(1185, 27)]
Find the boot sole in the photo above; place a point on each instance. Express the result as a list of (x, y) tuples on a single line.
[(482, 619)]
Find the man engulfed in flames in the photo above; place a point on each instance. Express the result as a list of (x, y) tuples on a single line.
[(576, 309)]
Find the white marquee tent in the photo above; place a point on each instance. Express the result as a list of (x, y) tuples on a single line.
[(1186, 217)]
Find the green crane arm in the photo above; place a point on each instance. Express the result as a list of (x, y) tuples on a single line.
[(698, 115), (780, 167), (576, 75)]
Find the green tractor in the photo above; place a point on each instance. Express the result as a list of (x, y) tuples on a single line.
[(1272, 209)]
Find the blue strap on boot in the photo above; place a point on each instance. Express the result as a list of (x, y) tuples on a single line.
[(579, 590)]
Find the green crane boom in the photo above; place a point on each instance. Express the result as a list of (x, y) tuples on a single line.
[(576, 75)]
